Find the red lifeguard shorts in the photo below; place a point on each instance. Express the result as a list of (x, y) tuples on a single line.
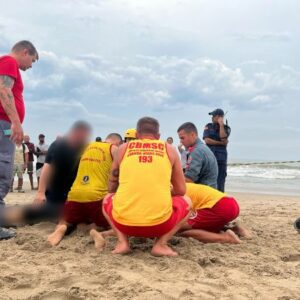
[(84, 212), (180, 210), (214, 219)]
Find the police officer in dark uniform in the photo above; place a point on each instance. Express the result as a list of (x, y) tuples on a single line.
[(216, 136)]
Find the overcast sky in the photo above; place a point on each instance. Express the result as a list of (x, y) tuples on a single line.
[(113, 61)]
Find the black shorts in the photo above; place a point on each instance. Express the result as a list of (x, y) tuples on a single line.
[(39, 165), (46, 212)]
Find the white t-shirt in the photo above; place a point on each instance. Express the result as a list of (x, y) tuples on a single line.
[(42, 157)]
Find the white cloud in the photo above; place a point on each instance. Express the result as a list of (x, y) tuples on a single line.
[(264, 36), (261, 99), (112, 61), (157, 82)]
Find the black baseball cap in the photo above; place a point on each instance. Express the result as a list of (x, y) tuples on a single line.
[(217, 112)]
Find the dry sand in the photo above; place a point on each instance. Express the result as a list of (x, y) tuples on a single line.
[(267, 267)]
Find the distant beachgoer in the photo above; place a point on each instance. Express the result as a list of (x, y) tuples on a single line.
[(84, 203), (20, 165), (170, 140), (12, 111), (216, 136), (143, 205), (212, 211), (130, 135), (201, 165), (183, 156), (57, 177), (41, 151), (98, 139), (31, 149)]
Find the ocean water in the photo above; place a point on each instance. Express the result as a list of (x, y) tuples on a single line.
[(267, 178), (281, 179)]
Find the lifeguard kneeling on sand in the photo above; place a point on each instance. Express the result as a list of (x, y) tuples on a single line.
[(212, 211), (143, 205), (84, 203)]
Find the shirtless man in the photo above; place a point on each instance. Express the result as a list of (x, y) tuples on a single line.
[(84, 203), (212, 211), (143, 205)]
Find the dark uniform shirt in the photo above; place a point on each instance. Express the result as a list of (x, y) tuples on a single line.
[(211, 131)]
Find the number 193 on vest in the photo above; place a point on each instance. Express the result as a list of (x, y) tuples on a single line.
[(145, 159)]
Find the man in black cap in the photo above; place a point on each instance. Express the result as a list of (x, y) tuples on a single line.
[(216, 136)]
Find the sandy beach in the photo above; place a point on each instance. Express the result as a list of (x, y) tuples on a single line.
[(267, 267)]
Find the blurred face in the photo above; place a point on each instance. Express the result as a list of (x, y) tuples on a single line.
[(42, 140), (26, 60), (26, 138), (81, 136), (187, 139)]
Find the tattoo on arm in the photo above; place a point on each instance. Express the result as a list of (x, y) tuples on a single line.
[(114, 181), (115, 173), (7, 98), (6, 81)]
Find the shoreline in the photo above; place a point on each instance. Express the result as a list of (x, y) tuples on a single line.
[(262, 193)]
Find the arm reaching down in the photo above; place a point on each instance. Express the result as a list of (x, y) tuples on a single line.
[(46, 174), (177, 179), (117, 154), (8, 104)]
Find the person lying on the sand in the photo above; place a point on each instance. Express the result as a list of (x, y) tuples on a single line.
[(84, 203), (143, 205), (212, 211), (58, 174)]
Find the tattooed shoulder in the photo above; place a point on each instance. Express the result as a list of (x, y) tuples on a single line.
[(6, 81)]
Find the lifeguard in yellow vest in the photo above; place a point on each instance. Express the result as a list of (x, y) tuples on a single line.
[(212, 212), (84, 203), (143, 204)]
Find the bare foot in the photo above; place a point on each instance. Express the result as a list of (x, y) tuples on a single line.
[(122, 248), (55, 238), (107, 233), (98, 239), (231, 237), (162, 250), (242, 231)]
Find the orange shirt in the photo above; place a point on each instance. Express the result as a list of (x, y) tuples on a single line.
[(143, 197)]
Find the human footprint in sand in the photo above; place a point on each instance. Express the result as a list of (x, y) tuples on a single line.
[(212, 211), (84, 203), (143, 205)]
